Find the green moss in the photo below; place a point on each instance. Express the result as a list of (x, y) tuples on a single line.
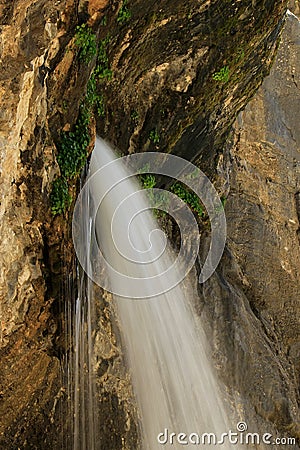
[(73, 145), (226, 25), (60, 199), (158, 199), (72, 149), (104, 21), (102, 69), (154, 136), (124, 13), (85, 41), (189, 197), (222, 75), (148, 181), (134, 115), (94, 100)]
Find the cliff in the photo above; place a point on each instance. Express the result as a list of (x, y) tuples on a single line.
[(174, 77), (261, 268), (255, 312)]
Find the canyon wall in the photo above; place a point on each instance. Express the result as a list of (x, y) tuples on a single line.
[(260, 273)]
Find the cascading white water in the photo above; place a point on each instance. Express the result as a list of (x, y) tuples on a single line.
[(164, 343)]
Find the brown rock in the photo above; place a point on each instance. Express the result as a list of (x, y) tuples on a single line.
[(255, 297)]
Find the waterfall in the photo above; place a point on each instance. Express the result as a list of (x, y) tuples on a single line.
[(163, 340)]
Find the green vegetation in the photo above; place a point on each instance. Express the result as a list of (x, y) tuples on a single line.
[(222, 206), (134, 115), (148, 181), (102, 69), (100, 105), (189, 197), (154, 136), (93, 99), (124, 13), (223, 201), (73, 145), (86, 42), (222, 75), (60, 198), (72, 154), (158, 199), (72, 149), (104, 21)]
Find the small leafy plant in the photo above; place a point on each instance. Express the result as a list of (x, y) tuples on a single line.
[(222, 75), (124, 13), (158, 199), (86, 42), (154, 136), (134, 115), (100, 105), (60, 199), (102, 69), (93, 98), (148, 181), (72, 149), (189, 197)]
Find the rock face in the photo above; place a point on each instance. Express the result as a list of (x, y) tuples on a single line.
[(253, 302), (168, 63), (267, 154), (34, 35), (30, 376), (182, 71)]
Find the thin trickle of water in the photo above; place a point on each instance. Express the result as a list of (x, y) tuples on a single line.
[(81, 383), (165, 346)]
